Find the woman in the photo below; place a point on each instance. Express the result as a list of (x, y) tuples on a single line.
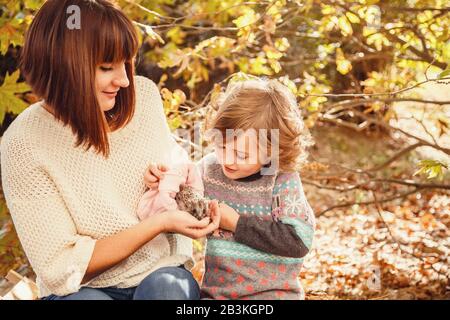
[(73, 164)]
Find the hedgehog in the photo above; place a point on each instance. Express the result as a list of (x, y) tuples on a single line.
[(193, 202)]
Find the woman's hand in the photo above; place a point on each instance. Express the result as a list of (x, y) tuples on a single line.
[(228, 217), (153, 174), (183, 223), (111, 250)]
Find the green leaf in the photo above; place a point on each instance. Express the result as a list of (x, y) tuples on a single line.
[(444, 74), (33, 4), (432, 168)]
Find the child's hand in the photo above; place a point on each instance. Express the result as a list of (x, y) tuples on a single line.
[(228, 217), (153, 174), (184, 223)]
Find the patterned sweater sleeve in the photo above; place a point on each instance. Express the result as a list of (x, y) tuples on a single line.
[(58, 253), (291, 229)]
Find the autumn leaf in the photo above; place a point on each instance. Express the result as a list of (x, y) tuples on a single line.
[(9, 35), (444, 74), (150, 32), (9, 102), (352, 17), (215, 47), (246, 19), (172, 100), (345, 26), (342, 64), (433, 168), (176, 35), (33, 4)]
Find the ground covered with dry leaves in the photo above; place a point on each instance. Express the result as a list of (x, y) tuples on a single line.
[(396, 250), (357, 254)]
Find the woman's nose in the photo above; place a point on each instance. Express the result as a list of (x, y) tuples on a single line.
[(121, 79)]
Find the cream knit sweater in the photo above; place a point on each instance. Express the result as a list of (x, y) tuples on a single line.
[(62, 199)]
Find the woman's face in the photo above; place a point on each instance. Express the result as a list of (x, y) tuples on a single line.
[(109, 79)]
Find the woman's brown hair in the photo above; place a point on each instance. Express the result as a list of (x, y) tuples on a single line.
[(59, 63)]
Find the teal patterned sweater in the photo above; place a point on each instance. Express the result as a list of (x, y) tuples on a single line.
[(263, 258)]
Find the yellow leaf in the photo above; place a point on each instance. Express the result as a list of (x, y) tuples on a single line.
[(9, 102), (342, 64), (246, 19), (282, 44), (150, 32), (272, 53), (352, 17), (345, 26), (326, 10), (176, 35), (275, 65)]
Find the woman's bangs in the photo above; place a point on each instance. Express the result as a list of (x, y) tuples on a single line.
[(117, 40)]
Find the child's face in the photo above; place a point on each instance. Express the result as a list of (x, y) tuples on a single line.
[(239, 157)]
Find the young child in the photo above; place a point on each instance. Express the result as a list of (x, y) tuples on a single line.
[(266, 225)]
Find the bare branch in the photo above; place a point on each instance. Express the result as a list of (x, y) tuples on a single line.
[(420, 122), (185, 26), (438, 147), (376, 94), (416, 184), (344, 104), (349, 204), (447, 9), (369, 120), (340, 189), (364, 185), (422, 54), (397, 156)]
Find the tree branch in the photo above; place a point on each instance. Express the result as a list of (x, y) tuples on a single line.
[(348, 204), (397, 156), (376, 94)]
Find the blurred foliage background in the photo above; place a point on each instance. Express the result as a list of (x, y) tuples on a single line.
[(373, 84)]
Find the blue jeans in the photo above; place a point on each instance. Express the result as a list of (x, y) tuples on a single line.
[(168, 283)]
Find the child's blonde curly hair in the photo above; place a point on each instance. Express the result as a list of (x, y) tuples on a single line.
[(264, 104)]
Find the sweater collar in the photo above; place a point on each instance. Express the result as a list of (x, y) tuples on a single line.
[(253, 177)]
